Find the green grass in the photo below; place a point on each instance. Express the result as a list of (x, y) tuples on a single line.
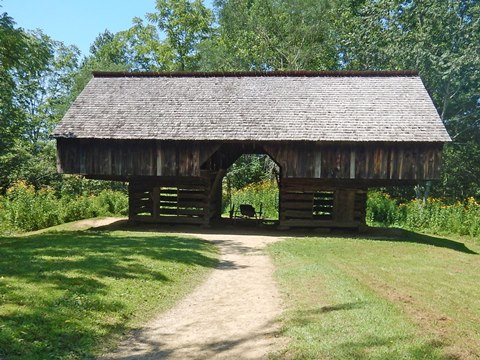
[(398, 295), (262, 195), (71, 294)]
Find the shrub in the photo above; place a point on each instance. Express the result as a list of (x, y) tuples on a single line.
[(111, 202), (382, 209), (23, 208), (26, 209), (434, 216)]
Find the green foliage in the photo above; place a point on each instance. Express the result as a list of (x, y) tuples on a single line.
[(22, 55), (23, 208), (440, 39), (382, 209), (185, 23), (36, 77), (433, 216), (262, 195), (71, 295), (271, 35), (251, 168)]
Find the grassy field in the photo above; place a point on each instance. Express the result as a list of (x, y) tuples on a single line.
[(395, 295), (71, 294)]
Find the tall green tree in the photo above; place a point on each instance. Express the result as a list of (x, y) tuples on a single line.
[(36, 80), (185, 23), (440, 39), (20, 54), (272, 35)]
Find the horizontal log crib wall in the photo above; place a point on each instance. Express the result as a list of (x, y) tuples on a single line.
[(305, 203), (172, 203)]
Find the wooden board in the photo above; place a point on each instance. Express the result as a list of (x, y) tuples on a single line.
[(124, 159)]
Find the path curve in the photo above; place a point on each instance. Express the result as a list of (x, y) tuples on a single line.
[(232, 315)]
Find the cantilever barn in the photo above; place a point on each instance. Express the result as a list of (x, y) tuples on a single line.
[(172, 137)]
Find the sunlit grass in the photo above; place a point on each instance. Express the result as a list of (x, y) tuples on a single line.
[(71, 294), (395, 295)]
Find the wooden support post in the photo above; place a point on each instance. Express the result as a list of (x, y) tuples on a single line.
[(155, 202), (344, 206), (215, 195), (131, 210)]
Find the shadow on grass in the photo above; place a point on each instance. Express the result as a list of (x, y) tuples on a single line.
[(353, 344), (371, 233), (401, 235), (304, 317), (54, 292), (168, 345), (384, 345)]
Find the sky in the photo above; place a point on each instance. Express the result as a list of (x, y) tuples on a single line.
[(76, 22)]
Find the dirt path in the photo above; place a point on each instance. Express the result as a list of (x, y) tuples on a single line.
[(233, 315)]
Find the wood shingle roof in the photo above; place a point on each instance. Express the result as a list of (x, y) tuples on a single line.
[(346, 107)]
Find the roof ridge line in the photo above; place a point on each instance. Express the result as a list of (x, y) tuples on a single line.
[(302, 73)]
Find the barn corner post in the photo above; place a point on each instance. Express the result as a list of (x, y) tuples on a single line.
[(175, 138)]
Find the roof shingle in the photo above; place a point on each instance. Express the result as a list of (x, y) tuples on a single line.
[(353, 107)]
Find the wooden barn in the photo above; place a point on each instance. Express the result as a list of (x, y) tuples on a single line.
[(172, 137)]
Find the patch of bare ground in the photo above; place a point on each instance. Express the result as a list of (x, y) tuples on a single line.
[(232, 315), (81, 225), (94, 223)]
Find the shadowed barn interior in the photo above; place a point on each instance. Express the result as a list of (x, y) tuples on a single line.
[(172, 137)]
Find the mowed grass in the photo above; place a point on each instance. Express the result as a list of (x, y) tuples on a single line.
[(71, 294), (396, 295)]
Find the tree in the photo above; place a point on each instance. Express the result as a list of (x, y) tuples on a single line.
[(36, 80), (42, 93), (20, 54), (271, 35), (185, 24), (251, 168), (440, 39)]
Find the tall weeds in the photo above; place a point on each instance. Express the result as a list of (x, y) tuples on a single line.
[(262, 195), (23, 208), (434, 216)]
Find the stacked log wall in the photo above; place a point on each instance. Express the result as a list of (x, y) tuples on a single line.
[(314, 203), (172, 201)]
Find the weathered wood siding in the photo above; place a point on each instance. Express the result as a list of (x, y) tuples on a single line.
[(116, 159), (363, 161), (366, 161)]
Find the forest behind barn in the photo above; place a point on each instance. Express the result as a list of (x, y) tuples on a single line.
[(41, 77)]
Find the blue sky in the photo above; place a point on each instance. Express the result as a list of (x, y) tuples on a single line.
[(76, 22)]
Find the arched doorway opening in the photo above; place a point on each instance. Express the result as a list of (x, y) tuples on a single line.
[(244, 184), (250, 189)]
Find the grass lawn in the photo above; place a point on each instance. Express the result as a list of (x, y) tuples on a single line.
[(395, 295), (71, 294)]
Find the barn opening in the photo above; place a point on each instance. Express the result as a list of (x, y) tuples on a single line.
[(250, 190)]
